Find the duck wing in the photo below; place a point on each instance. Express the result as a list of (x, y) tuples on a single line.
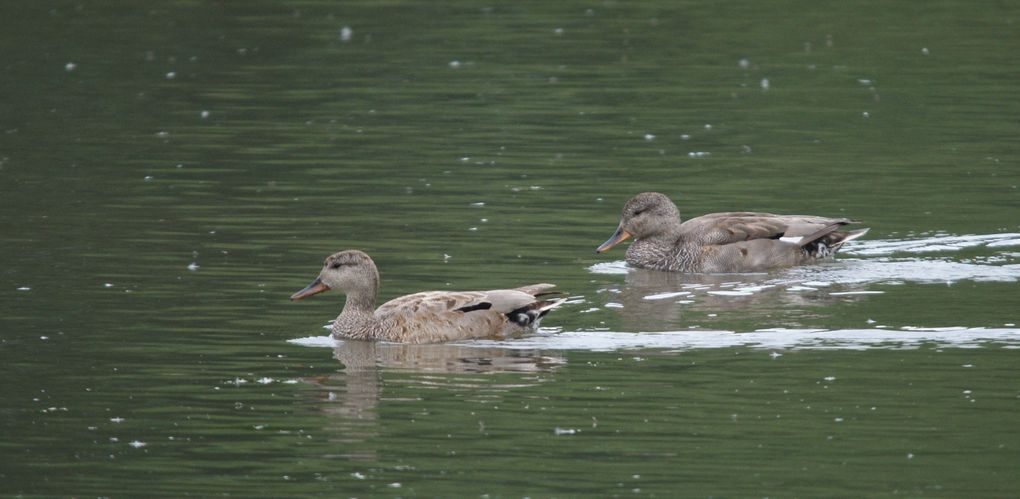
[(733, 227), (434, 316)]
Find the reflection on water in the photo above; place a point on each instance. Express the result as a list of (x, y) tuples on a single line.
[(354, 395)]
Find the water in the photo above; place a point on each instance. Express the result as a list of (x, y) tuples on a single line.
[(172, 171)]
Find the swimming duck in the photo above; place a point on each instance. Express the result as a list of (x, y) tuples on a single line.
[(723, 242), (428, 317)]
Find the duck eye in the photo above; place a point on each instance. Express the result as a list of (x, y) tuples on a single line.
[(640, 211), (335, 265)]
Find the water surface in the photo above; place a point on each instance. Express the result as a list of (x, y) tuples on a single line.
[(172, 171)]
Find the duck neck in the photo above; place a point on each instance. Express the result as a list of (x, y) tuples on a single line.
[(665, 250), (357, 320)]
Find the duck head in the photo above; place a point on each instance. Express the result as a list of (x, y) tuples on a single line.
[(349, 271), (646, 215)]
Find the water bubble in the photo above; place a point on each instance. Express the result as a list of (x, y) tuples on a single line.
[(346, 33), (70, 67), (204, 114), (454, 64), (764, 83), (171, 75), (744, 63)]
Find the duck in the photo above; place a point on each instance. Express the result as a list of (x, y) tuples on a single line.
[(731, 242), (426, 317)]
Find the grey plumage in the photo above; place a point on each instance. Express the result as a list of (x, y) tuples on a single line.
[(723, 242)]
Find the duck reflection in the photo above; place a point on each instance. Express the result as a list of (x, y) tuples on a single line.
[(650, 300), (371, 368)]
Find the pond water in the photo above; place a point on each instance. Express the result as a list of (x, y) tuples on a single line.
[(172, 171)]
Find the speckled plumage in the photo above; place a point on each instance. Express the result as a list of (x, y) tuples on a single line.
[(723, 242), (427, 317)]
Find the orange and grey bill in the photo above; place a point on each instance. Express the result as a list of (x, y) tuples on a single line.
[(618, 237), (314, 288)]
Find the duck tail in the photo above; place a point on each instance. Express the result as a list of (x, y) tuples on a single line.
[(531, 314), (828, 244)]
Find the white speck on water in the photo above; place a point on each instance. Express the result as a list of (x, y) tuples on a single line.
[(171, 75), (44, 337), (358, 475), (108, 285), (764, 83), (712, 315), (730, 293), (70, 66), (684, 136), (346, 33), (801, 288), (865, 114), (864, 81), (204, 114), (485, 220), (663, 296), (478, 204), (910, 455), (265, 381), (649, 136), (817, 284), (924, 51), (1009, 324), (24, 288), (829, 378), (744, 63), (699, 154), (564, 431), (870, 321), (558, 31), (708, 126), (148, 178), (137, 444), (395, 485), (967, 365), (446, 257), (116, 420), (847, 293), (590, 310), (838, 420), (162, 134), (454, 64), (775, 355), (473, 229), (613, 304), (259, 426), (193, 266), (114, 439)]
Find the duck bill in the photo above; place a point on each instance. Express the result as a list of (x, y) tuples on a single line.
[(618, 237), (316, 287)]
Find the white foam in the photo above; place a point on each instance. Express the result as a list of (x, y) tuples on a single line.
[(773, 338), (934, 244)]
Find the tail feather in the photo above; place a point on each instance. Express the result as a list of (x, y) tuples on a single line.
[(828, 244), (531, 314)]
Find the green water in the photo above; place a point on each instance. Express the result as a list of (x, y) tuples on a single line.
[(171, 172)]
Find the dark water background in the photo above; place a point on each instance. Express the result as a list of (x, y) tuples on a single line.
[(171, 171)]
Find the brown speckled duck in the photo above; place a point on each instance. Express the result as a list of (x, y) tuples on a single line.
[(723, 242), (428, 317)]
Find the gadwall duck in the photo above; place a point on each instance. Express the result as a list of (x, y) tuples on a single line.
[(428, 317), (723, 242)]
